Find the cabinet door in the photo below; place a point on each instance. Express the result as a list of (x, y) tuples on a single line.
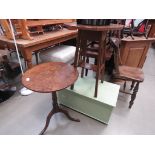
[(134, 53)]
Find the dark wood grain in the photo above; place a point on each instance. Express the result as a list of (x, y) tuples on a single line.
[(49, 77), (74, 26)]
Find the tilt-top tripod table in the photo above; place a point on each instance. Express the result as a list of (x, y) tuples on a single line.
[(49, 78)]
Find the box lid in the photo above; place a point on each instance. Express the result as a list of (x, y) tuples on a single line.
[(107, 92)]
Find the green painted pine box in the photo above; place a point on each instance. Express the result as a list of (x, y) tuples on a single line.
[(82, 98)]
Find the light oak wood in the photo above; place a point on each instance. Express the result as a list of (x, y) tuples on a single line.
[(7, 28), (134, 51), (38, 42), (22, 26), (33, 23), (24, 29)]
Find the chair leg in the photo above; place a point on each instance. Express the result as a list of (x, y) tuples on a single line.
[(82, 70), (72, 87), (133, 96), (86, 71), (97, 79), (132, 85), (102, 74)]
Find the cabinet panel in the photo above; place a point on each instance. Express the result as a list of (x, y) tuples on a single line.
[(134, 56), (134, 52)]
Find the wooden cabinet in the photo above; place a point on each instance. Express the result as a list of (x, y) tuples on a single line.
[(152, 30), (134, 51)]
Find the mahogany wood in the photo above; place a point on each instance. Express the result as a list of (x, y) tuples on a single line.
[(51, 77)]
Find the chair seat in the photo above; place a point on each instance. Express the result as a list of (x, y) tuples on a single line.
[(130, 73), (62, 53)]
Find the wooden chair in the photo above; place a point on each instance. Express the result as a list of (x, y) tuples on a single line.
[(126, 73), (140, 30), (84, 52)]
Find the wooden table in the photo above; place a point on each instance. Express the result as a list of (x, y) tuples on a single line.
[(49, 78), (39, 42), (112, 27)]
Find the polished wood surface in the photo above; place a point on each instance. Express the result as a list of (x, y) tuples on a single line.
[(94, 28), (39, 42), (42, 22), (49, 77), (48, 36), (134, 51)]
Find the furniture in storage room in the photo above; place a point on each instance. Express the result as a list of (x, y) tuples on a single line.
[(26, 28), (39, 42), (133, 52), (87, 34)]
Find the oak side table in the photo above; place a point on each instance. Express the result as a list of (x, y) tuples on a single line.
[(49, 78)]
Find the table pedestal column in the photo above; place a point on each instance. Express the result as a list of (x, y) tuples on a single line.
[(56, 109)]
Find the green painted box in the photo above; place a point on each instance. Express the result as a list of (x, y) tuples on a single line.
[(82, 98)]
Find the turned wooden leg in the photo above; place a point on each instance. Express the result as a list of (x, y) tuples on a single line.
[(132, 85), (86, 71), (82, 72), (133, 96), (96, 84), (27, 54), (102, 75)]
